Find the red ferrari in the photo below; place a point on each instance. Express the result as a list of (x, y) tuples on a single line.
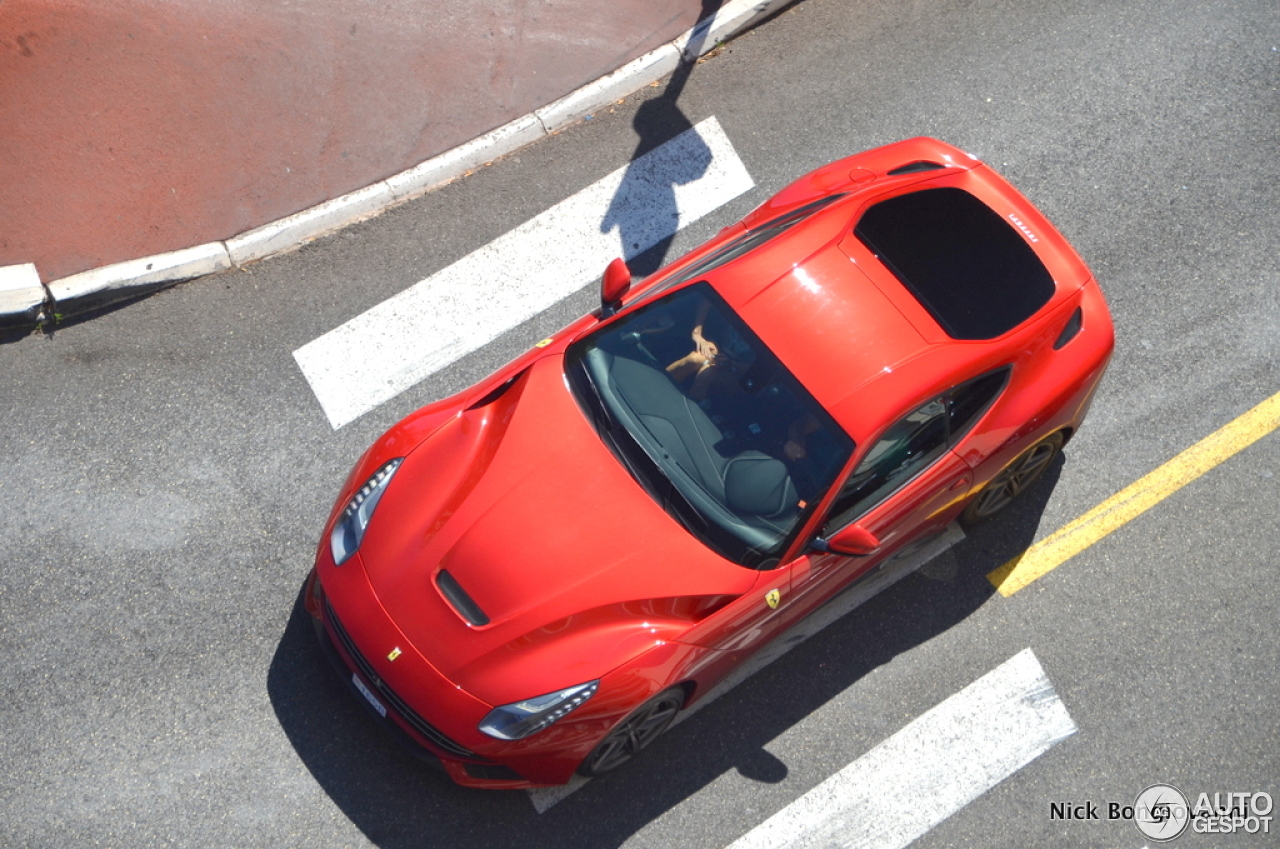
[(532, 578)]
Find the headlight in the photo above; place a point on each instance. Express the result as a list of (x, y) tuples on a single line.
[(349, 530), (519, 720)]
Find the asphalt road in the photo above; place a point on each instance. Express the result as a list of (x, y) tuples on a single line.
[(167, 469)]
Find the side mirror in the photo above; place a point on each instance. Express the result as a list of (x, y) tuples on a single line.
[(616, 282), (853, 541)]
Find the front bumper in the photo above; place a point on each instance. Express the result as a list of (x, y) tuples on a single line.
[(406, 727)]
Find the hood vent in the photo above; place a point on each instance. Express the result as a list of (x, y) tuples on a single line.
[(457, 596)]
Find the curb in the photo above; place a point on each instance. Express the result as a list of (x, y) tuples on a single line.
[(22, 298), (25, 301), (101, 287)]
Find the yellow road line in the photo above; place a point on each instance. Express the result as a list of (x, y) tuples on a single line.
[(1135, 499)]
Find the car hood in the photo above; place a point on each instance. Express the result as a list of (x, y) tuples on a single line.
[(575, 566)]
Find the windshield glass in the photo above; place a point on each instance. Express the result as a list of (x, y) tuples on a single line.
[(709, 422)]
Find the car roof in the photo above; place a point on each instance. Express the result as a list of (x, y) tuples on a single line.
[(865, 344)]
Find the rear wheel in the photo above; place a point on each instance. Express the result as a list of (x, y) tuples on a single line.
[(1013, 480), (645, 724)]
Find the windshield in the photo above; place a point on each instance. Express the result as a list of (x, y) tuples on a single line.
[(709, 422)]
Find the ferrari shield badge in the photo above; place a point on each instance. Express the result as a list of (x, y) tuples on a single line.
[(772, 598), (395, 652)]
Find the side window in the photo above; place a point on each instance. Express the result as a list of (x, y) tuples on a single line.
[(970, 400), (902, 452)]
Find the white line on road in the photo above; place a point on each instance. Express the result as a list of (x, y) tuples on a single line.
[(889, 573), (377, 355), (930, 769)]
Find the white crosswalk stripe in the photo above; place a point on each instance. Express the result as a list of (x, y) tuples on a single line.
[(924, 773), (930, 769), (389, 348)]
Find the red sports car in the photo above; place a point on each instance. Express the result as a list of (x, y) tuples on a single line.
[(532, 578)]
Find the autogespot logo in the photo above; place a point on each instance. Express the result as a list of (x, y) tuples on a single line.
[(1161, 812)]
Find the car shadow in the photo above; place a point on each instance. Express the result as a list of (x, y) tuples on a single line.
[(397, 801)]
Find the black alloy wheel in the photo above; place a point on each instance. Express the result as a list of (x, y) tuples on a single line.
[(645, 724), (1013, 480)]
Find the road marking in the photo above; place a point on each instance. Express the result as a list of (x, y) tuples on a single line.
[(377, 355), (930, 769), (895, 569), (1135, 499)]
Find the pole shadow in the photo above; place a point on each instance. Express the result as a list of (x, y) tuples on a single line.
[(643, 204)]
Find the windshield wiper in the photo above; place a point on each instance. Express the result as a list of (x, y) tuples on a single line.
[(675, 502), (611, 431)]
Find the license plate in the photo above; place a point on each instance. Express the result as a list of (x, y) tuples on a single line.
[(368, 694)]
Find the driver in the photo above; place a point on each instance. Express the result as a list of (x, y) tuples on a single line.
[(719, 357)]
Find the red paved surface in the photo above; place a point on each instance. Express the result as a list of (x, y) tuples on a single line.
[(132, 127)]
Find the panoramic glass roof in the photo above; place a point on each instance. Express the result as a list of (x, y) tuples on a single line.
[(967, 266)]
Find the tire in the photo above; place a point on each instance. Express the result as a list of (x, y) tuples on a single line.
[(641, 727), (1013, 480)]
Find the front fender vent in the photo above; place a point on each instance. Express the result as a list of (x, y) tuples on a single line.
[(457, 596), (913, 167), (497, 392)]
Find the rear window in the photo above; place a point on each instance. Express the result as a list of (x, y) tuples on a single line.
[(965, 264)]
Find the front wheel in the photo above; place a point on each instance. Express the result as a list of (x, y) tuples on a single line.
[(645, 724), (1013, 480)]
